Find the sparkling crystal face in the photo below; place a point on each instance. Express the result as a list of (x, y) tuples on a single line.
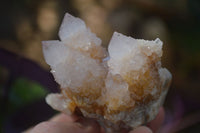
[(124, 85)]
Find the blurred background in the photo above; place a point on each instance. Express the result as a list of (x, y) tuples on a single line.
[(24, 76)]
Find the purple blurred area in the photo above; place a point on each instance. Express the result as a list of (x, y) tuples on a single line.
[(25, 23)]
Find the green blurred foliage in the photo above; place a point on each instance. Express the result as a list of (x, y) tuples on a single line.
[(22, 92)]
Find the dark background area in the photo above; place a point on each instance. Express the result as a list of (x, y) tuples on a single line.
[(24, 76)]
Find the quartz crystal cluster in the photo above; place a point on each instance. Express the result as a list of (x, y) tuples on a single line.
[(123, 87)]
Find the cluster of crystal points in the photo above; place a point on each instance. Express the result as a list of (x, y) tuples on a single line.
[(121, 88)]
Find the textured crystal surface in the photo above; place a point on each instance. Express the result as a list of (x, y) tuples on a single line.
[(121, 88)]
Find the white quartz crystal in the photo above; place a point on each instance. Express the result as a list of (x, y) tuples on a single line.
[(59, 102), (121, 88), (74, 32), (71, 26), (66, 57), (55, 50), (117, 93), (129, 54)]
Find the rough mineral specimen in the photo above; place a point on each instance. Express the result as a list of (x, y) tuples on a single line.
[(121, 88)]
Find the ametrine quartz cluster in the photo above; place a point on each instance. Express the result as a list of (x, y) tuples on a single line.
[(121, 88)]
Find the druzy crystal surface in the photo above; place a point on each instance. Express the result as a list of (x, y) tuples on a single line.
[(123, 87)]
